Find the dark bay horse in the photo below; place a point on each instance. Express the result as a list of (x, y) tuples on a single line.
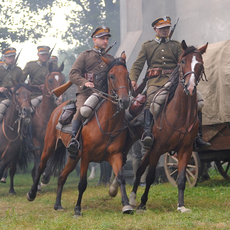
[(176, 127), (103, 138), (43, 112), (11, 130)]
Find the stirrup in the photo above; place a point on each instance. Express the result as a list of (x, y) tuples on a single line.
[(147, 140)]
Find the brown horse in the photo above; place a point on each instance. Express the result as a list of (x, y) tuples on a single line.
[(176, 127), (43, 112), (103, 137), (11, 130)]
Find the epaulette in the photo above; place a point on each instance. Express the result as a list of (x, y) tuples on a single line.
[(87, 51), (148, 41)]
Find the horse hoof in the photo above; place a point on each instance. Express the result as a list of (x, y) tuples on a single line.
[(77, 214), (132, 199), (141, 209), (3, 180), (113, 190), (182, 209), (12, 193), (58, 208), (29, 198), (127, 209)]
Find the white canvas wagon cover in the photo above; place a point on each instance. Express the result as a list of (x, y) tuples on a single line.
[(216, 91)]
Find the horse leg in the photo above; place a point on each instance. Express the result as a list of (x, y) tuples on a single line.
[(47, 152), (13, 169), (81, 187), (69, 167), (140, 171), (181, 180), (117, 168), (37, 159), (4, 176), (154, 158)]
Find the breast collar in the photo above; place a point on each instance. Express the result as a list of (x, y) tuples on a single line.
[(158, 39)]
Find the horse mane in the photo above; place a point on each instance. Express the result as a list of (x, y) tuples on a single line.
[(20, 85)]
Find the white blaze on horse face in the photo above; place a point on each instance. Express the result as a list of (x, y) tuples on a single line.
[(56, 77), (192, 78)]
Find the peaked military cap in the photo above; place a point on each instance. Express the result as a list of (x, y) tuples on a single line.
[(161, 22), (9, 52), (101, 31), (43, 49)]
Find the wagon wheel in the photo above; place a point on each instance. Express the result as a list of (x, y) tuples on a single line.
[(223, 168), (193, 170)]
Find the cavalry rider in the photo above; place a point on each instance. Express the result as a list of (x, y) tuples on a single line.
[(10, 76), (83, 72), (38, 70), (162, 55)]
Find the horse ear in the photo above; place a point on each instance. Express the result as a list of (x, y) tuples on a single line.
[(203, 48), (50, 67), (184, 45), (105, 60), (123, 55), (61, 67)]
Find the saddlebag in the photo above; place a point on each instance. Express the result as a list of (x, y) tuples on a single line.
[(67, 114), (137, 104)]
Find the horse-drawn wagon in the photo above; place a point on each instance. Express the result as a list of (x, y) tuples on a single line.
[(216, 118)]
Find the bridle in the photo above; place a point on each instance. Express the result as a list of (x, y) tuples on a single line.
[(183, 76)]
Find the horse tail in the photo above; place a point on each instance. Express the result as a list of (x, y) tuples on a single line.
[(24, 159), (57, 161)]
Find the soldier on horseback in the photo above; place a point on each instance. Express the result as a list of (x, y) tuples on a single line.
[(162, 55), (84, 73)]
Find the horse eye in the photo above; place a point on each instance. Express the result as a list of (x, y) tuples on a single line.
[(17, 94), (112, 77), (50, 80), (183, 61)]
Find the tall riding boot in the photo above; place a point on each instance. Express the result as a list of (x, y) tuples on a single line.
[(29, 139), (74, 146), (147, 137), (199, 144)]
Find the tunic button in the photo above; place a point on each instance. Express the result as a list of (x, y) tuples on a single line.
[(164, 63), (162, 50), (163, 57)]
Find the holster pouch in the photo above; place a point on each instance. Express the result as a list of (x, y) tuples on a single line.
[(90, 76), (67, 114), (154, 72), (137, 104)]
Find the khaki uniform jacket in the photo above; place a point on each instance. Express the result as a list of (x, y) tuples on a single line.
[(164, 55), (83, 64), (36, 71), (10, 77)]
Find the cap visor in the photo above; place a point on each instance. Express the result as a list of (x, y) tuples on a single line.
[(162, 26), (102, 34)]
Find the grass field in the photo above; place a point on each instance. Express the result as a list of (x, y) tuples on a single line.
[(209, 203)]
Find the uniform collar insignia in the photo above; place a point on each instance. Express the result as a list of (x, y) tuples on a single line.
[(41, 63), (6, 66), (158, 39), (98, 50)]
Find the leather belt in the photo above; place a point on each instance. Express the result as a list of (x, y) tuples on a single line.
[(167, 71)]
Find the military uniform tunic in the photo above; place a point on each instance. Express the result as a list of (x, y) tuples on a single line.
[(9, 77), (83, 64), (158, 54), (37, 72)]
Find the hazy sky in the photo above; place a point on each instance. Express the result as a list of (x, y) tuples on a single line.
[(29, 49)]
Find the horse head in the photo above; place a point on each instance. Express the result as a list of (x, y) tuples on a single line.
[(21, 98), (191, 67), (54, 79), (118, 81)]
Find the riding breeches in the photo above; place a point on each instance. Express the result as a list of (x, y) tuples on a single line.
[(81, 98), (151, 91)]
